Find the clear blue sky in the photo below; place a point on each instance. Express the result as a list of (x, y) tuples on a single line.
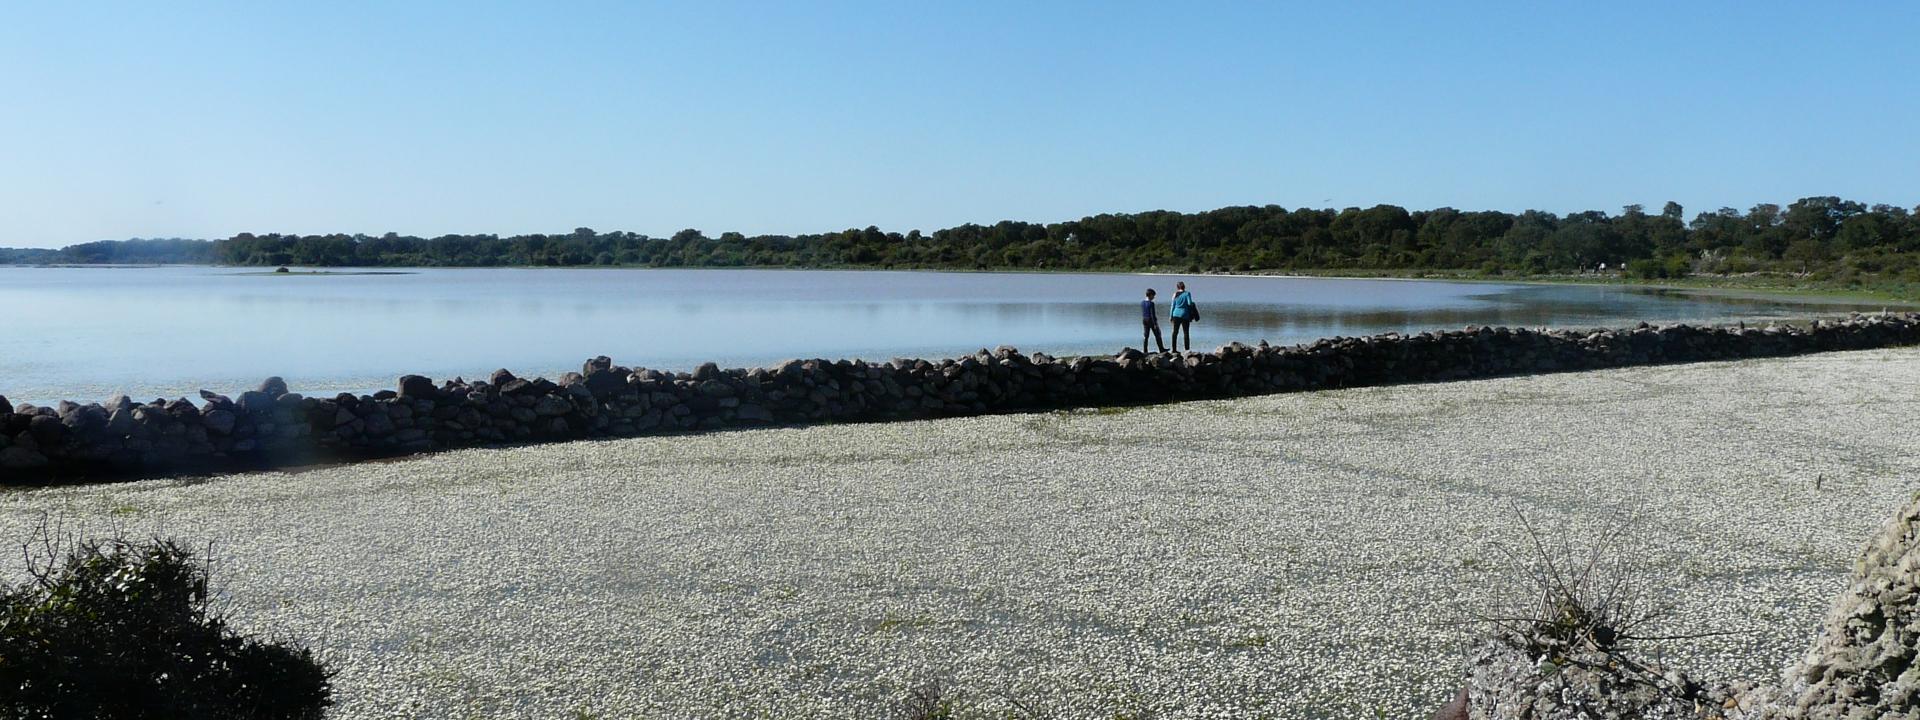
[(208, 119)]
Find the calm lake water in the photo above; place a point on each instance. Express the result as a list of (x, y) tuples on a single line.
[(90, 333)]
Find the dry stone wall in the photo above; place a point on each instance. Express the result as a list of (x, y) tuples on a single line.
[(271, 426)]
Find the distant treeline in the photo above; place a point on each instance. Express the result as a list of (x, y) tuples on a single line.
[(138, 251), (1822, 236)]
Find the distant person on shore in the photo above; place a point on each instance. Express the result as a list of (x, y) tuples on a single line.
[(1150, 323), (1184, 312)]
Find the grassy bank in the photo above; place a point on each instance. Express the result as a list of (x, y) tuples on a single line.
[(1894, 292), (1758, 285)]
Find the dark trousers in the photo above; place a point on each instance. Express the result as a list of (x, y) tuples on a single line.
[(1180, 325), (1151, 328)]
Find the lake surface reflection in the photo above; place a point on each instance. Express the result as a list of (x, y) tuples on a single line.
[(89, 333)]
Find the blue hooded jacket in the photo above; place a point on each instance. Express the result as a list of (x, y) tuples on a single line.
[(1182, 305)]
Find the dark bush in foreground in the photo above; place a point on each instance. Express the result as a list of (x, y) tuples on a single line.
[(121, 629)]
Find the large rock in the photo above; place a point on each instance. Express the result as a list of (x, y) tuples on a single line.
[(552, 406), (604, 382), (120, 422), (1861, 666), (1865, 663), (48, 430), (20, 458), (418, 387), (255, 402), (79, 417), (380, 424), (273, 386), (181, 408), (1508, 681), (706, 371), (219, 421)]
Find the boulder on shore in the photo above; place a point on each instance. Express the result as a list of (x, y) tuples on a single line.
[(417, 387), (1865, 663)]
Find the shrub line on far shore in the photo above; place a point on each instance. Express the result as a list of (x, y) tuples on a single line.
[(272, 427)]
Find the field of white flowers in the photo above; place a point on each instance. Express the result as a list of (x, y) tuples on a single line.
[(1317, 555)]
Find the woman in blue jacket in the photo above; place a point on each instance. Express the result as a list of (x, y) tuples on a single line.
[(1184, 313)]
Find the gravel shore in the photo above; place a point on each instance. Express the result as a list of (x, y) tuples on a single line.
[(1312, 555)]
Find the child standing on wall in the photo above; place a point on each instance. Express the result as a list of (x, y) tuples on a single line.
[(1150, 323)]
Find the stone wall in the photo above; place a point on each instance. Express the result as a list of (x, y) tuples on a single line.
[(271, 426)]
